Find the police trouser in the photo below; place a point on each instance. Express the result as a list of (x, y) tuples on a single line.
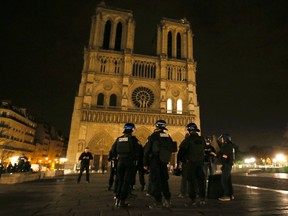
[(196, 179), (226, 180), (208, 168), (125, 171), (184, 183), (112, 175), (140, 170), (159, 180)]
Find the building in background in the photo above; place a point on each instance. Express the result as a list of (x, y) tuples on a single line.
[(51, 146), (119, 86), (17, 132), (21, 134)]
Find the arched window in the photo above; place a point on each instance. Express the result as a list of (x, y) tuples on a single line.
[(113, 100), (169, 45), (107, 32), (169, 105), (178, 49), (179, 106), (118, 37), (100, 99)]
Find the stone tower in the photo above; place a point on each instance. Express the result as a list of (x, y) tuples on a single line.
[(119, 86)]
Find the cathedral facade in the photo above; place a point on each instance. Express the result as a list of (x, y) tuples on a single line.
[(119, 86)]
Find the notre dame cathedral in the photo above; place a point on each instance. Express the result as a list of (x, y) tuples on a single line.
[(119, 86)]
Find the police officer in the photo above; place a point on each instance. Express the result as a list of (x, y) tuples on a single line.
[(125, 149), (192, 149), (85, 158), (226, 156), (208, 157), (157, 154)]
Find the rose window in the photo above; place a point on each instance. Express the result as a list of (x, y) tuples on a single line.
[(142, 97)]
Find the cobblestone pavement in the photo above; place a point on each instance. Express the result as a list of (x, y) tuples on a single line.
[(255, 195)]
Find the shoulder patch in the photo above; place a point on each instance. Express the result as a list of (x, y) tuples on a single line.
[(123, 139), (164, 135)]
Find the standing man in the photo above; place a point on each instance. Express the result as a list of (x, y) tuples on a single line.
[(157, 154), (226, 156), (192, 150), (85, 158), (125, 149), (209, 167)]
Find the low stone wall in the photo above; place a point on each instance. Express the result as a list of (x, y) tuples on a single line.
[(53, 173), (13, 178)]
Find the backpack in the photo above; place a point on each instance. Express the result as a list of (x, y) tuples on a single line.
[(164, 145), (195, 149)]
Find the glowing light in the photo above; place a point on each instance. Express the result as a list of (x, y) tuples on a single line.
[(250, 160), (14, 159)]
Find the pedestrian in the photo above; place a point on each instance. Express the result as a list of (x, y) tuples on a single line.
[(125, 149), (21, 161), (157, 155), (226, 156), (85, 158), (10, 168), (2, 168), (209, 167), (191, 149)]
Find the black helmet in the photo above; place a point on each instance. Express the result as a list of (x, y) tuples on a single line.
[(161, 124), (192, 127), (177, 171), (227, 138), (129, 127)]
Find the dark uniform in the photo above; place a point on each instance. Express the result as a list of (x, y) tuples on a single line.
[(125, 149), (157, 154), (192, 149), (226, 156), (85, 158)]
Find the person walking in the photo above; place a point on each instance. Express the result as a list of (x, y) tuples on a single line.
[(125, 149), (226, 156), (192, 150), (85, 158), (157, 155)]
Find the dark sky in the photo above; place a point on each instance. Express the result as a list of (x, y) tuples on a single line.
[(241, 49)]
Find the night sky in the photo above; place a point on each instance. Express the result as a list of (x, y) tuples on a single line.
[(241, 49)]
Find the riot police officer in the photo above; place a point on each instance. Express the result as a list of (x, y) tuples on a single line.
[(192, 150), (125, 149), (226, 156), (157, 154)]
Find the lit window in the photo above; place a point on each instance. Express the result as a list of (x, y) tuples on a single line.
[(179, 106), (169, 106)]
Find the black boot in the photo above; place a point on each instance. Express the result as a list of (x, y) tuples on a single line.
[(123, 204)]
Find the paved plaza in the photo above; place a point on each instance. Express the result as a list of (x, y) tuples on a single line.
[(255, 195)]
